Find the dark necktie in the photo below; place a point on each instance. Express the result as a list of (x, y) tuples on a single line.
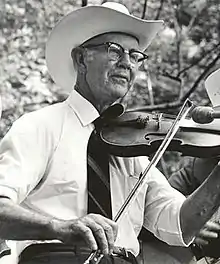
[(99, 196)]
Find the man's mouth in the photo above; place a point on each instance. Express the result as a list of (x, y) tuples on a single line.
[(120, 77)]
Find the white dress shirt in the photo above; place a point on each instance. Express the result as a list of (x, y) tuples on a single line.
[(43, 166)]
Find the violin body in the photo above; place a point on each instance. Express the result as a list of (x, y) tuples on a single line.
[(140, 134)]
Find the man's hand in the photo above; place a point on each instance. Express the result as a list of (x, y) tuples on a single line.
[(209, 231), (96, 230)]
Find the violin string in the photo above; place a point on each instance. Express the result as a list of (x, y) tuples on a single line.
[(169, 136)]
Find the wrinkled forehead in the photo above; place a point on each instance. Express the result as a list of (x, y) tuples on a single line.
[(117, 37)]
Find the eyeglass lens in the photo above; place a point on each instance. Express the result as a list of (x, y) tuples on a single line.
[(115, 52)]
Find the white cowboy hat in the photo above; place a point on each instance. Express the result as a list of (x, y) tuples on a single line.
[(85, 23), (212, 85)]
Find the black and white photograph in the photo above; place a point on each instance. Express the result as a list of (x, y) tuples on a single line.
[(110, 132)]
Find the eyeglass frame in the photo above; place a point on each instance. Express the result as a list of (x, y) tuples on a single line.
[(124, 51)]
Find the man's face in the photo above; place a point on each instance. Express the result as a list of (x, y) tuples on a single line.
[(109, 79)]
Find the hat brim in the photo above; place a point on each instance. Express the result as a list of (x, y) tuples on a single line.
[(83, 24)]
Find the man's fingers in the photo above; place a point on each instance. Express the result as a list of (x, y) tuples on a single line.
[(212, 226), (110, 237), (97, 231), (114, 227), (104, 230), (209, 231), (204, 233), (87, 235), (110, 229), (100, 237), (200, 241)]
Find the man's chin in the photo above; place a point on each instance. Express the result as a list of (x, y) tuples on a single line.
[(118, 92), (120, 89), (121, 92), (116, 98)]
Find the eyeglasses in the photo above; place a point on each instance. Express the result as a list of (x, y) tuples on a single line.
[(116, 52)]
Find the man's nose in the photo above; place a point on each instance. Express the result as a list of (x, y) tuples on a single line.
[(125, 61)]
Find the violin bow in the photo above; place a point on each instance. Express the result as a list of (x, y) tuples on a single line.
[(95, 256)]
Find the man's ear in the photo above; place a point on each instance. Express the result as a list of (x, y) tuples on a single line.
[(78, 58)]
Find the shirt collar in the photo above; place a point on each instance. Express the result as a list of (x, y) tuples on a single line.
[(84, 110)]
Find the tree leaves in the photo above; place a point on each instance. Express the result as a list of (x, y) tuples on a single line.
[(183, 50)]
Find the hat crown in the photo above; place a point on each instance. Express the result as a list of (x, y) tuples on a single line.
[(116, 6)]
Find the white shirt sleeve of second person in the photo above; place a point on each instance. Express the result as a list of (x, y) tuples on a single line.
[(162, 208), (24, 153)]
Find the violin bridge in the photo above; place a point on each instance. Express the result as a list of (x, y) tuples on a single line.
[(158, 120)]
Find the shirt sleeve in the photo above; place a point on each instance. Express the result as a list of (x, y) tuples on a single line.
[(24, 153), (162, 208)]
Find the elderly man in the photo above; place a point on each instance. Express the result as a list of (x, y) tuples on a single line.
[(43, 166)]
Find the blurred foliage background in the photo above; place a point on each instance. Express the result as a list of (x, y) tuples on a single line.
[(180, 58)]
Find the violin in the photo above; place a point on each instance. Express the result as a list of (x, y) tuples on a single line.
[(140, 134)]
